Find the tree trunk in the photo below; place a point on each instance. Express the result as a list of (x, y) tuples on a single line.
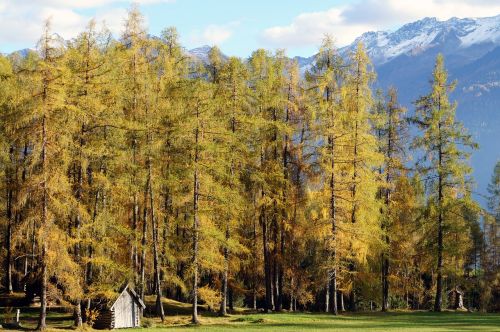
[(10, 221), (196, 188), (439, 281), (154, 226), (254, 262), (143, 245), (352, 300), (385, 220), (230, 294), (267, 264), (8, 245), (134, 251), (223, 304), (332, 274), (327, 295), (77, 314), (43, 223), (43, 291), (385, 282)]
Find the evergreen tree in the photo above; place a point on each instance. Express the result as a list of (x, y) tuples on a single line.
[(444, 143), (326, 79), (47, 123), (361, 163), (392, 134)]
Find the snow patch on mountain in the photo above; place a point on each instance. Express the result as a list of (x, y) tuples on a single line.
[(482, 30), (416, 37), (200, 53)]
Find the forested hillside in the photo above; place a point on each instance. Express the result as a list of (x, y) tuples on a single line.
[(235, 182)]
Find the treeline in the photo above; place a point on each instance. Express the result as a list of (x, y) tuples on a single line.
[(234, 183)]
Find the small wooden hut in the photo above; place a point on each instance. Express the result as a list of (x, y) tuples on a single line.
[(456, 299), (122, 312)]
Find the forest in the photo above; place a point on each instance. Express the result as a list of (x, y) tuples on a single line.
[(235, 182)]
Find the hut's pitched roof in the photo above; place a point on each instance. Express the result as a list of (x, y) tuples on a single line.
[(136, 297), (107, 301)]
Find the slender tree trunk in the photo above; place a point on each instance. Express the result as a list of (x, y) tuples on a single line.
[(223, 304), (385, 222), (225, 273), (275, 260), (23, 179), (43, 292), (196, 188), (341, 298), (144, 242), (285, 205), (267, 264), (332, 274), (255, 254), (154, 226), (332, 277), (230, 294), (43, 223), (134, 251), (385, 282), (327, 295), (439, 281), (78, 308), (8, 242)]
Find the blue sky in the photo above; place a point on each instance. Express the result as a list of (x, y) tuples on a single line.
[(236, 26)]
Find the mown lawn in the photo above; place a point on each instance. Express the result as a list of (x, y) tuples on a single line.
[(178, 320), (415, 321)]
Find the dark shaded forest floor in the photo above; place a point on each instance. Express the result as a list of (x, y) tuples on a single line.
[(178, 320)]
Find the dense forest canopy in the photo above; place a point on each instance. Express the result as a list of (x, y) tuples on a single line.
[(235, 182)]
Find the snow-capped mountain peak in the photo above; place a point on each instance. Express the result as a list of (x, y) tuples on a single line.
[(200, 53), (414, 38)]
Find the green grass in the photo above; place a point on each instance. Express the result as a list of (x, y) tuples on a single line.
[(178, 320), (57, 318), (397, 321)]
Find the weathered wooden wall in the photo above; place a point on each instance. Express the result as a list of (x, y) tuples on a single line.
[(125, 310)]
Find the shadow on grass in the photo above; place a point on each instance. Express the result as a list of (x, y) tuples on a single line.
[(379, 321), (58, 318)]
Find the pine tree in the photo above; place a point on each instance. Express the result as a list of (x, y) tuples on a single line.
[(326, 78), (490, 256), (444, 143), (9, 165), (267, 82), (48, 123), (89, 97), (231, 93), (362, 160), (134, 54), (392, 134)]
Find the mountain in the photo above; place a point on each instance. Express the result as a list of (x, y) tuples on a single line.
[(405, 58), (471, 46), (416, 38), (200, 53)]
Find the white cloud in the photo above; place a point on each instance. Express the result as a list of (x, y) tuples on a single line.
[(309, 28), (214, 34), (74, 4), (21, 21), (346, 22)]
